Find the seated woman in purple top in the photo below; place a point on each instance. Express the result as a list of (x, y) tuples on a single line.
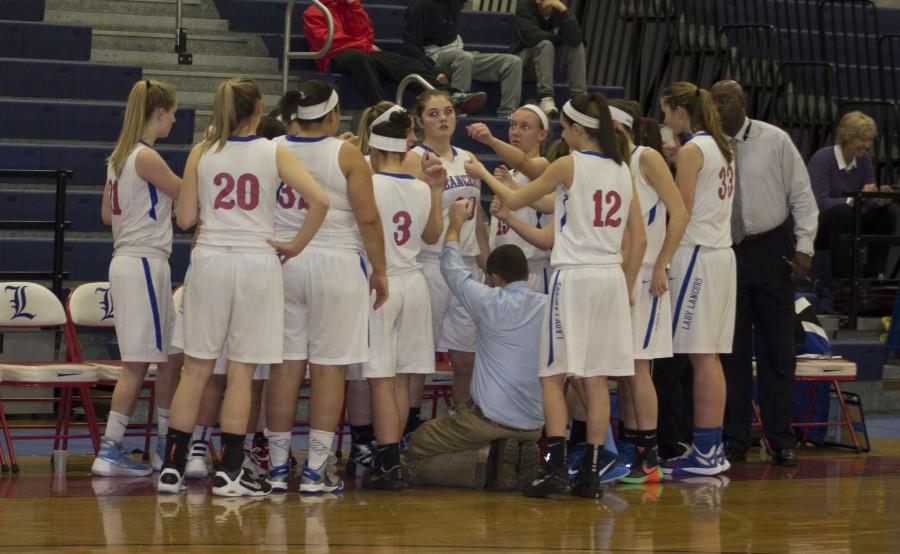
[(839, 169)]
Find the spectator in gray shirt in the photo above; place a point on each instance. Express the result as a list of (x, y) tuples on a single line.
[(490, 442)]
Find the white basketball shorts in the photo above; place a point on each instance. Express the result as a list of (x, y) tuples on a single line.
[(451, 324), (141, 290), (651, 319)]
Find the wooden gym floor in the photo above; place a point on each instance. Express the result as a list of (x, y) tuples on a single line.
[(835, 501)]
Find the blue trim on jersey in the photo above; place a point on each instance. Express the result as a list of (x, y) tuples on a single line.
[(652, 215), (154, 200), (362, 264), (595, 153), (698, 134), (550, 319), (684, 287), (565, 214), (633, 150), (452, 149), (396, 175), (248, 138), (150, 146), (538, 225), (151, 292), (546, 282), (650, 323), (291, 138)]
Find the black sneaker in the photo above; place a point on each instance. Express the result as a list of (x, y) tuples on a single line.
[(239, 483), (385, 480), (361, 459), (468, 102), (588, 485), (551, 480)]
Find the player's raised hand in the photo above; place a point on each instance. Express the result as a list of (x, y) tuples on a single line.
[(433, 172), (378, 282), (500, 211), (476, 169), (480, 132)]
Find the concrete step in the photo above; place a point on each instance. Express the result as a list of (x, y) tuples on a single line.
[(202, 62), (184, 78), (232, 44), (190, 8), (114, 21)]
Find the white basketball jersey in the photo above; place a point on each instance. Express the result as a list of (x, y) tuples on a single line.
[(502, 234), (459, 186), (653, 211), (710, 223), (404, 203), (319, 155), (591, 216), (236, 187), (141, 214)]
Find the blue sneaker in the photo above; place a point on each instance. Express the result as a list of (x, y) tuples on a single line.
[(614, 473), (112, 461), (278, 477), (724, 464), (695, 463), (576, 459), (627, 452), (320, 480)]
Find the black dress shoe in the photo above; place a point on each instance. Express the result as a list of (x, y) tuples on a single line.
[(784, 457), (735, 454)]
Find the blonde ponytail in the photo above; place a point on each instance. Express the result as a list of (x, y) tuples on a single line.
[(234, 104), (145, 97)]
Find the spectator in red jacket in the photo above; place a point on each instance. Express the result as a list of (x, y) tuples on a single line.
[(354, 53)]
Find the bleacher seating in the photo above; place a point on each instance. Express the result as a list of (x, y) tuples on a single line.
[(29, 39)]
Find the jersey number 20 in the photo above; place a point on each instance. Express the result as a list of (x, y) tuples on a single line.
[(247, 191)]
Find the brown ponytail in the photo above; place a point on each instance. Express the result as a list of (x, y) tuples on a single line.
[(644, 131), (612, 142), (700, 107)]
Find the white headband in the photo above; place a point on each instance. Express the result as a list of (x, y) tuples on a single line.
[(387, 144), (386, 116), (621, 116), (582, 119), (539, 113), (318, 110)]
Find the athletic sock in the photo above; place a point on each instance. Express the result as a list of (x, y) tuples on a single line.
[(705, 438), (362, 434), (162, 423), (319, 447), (389, 455), (279, 447), (413, 421), (201, 433), (232, 452), (248, 442), (645, 439), (556, 451), (116, 425), (577, 433), (628, 435), (609, 442), (177, 443)]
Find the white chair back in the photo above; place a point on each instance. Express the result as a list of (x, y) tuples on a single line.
[(91, 305), (24, 304)]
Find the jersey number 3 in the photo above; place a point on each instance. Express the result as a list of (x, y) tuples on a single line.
[(247, 191), (401, 234), (613, 202)]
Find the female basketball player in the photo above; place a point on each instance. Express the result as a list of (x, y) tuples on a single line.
[(137, 202), (588, 319), (703, 271), (236, 291)]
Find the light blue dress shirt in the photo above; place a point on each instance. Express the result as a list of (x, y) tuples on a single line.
[(510, 320)]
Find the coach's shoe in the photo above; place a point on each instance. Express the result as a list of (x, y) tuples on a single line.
[(503, 465), (196, 463), (278, 477), (170, 481), (696, 463), (548, 106), (784, 457), (644, 468), (551, 480), (156, 461), (112, 461), (382, 479), (239, 483), (319, 480), (361, 459), (529, 463)]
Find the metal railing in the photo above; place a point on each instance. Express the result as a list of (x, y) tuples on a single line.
[(288, 55), (408, 80), (184, 57), (57, 225)]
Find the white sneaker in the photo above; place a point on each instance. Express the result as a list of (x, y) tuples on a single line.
[(239, 484), (156, 461), (548, 106), (170, 481), (196, 464)]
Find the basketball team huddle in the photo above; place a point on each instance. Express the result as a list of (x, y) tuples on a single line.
[(319, 257)]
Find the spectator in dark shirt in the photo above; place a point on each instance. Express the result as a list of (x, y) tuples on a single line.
[(546, 35), (431, 34), (839, 169), (354, 53)]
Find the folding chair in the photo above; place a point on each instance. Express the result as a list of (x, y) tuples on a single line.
[(31, 306)]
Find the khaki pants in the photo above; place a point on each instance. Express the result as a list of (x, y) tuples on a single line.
[(444, 451)]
